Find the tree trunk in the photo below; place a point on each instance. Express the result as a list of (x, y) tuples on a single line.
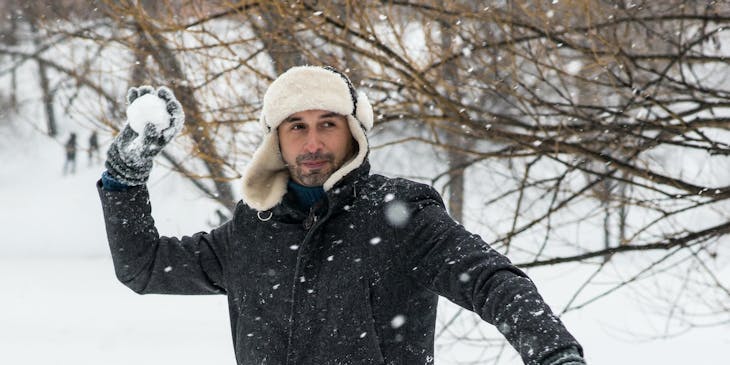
[(51, 126), (12, 39), (170, 69), (279, 41), (456, 160)]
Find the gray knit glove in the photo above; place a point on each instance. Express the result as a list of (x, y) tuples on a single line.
[(154, 117), (569, 356)]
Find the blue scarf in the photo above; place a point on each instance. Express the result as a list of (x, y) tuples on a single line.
[(306, 195)]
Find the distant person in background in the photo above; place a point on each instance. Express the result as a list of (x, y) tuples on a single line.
[(93, 148), (70, 148)]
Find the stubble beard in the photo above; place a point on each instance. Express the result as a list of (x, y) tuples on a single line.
[(313, 177)]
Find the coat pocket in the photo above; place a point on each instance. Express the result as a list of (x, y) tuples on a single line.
[(372, 334)]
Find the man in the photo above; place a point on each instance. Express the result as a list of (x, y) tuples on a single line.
[(70, 148), (322, 262), (93, 148)]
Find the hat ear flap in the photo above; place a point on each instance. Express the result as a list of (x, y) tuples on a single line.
[(262, 122), (364, 112)]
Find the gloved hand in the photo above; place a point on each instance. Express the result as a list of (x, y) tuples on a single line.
[(154, 117), (569, 356)]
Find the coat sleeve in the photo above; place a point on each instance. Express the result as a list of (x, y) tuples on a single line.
[(148, 263), (460, 266)]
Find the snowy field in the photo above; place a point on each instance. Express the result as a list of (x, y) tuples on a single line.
[(61, 304)]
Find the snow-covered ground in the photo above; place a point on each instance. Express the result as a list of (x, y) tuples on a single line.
[(73, 311), (61, 304)]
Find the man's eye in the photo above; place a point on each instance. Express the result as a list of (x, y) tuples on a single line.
[(297, 127)]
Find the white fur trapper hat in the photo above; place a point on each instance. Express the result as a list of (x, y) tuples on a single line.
[(298, 89)]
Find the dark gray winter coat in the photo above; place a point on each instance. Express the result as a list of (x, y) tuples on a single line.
[(354, 282)]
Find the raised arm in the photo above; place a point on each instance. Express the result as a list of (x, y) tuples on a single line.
[(143, 260), (152, 264)]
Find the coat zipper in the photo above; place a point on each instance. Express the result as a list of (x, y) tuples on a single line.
[(310, 225)]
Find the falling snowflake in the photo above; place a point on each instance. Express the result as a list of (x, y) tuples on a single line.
[(398, 321), (397, 214)]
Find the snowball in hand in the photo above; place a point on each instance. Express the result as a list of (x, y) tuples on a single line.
[(148, 108)]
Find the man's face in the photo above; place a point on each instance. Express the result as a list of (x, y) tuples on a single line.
[(315, 144)]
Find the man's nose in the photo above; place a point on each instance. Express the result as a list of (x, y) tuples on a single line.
[(313, 142)]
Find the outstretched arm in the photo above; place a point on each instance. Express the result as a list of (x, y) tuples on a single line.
[(452, 262)]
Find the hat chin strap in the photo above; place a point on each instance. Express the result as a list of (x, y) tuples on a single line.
[(265, 180)]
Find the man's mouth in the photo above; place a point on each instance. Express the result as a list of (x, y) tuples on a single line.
[(314, 165)]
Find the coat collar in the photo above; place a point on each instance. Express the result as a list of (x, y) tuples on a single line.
[(340, 195)]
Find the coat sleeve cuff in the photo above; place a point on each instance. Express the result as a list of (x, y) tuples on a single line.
[(110, 184), (568, 356)]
